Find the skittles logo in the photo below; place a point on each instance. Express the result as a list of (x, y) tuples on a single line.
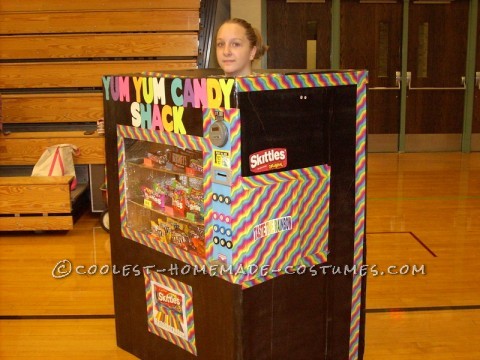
[(168, 300), (270, 159)]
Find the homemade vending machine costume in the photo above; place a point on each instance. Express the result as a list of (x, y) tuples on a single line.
[(237, 214)]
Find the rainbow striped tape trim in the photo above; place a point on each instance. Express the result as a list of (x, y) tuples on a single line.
[(359, 235), (281, 81)]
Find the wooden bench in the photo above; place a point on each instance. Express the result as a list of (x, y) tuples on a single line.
[(54, 54), (35, 203), (41, 203)]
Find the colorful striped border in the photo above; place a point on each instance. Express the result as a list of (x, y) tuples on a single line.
[(167, 75), (315, 214), (359, 235), (121, 179), (164, 137), (281, 81), (208, 118), (187, 344)]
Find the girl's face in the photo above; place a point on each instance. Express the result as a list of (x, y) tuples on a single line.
[(234, 52)]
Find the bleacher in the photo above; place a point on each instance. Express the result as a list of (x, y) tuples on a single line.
[(52, 59)]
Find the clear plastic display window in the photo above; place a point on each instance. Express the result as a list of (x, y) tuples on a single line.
[(164, 194)]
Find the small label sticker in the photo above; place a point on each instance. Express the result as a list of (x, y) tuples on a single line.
[(147, 203), (272, 227), (269, 159), (222, 159)]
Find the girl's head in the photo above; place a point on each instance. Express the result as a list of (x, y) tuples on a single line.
[(238, 44)]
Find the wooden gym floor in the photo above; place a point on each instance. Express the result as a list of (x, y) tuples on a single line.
[(423, 220)]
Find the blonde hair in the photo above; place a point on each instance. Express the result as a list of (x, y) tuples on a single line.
[(253, 36)]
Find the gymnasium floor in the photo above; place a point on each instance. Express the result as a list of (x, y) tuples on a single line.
[(423, 232)]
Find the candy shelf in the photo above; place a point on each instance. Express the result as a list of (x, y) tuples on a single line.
[(164, 195)]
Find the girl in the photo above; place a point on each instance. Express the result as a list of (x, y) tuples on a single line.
[(238, 44)]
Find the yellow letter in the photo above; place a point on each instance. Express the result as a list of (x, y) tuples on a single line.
[(167, 124), (137, 82), (179, 128), (214, 93), (227, 86)]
